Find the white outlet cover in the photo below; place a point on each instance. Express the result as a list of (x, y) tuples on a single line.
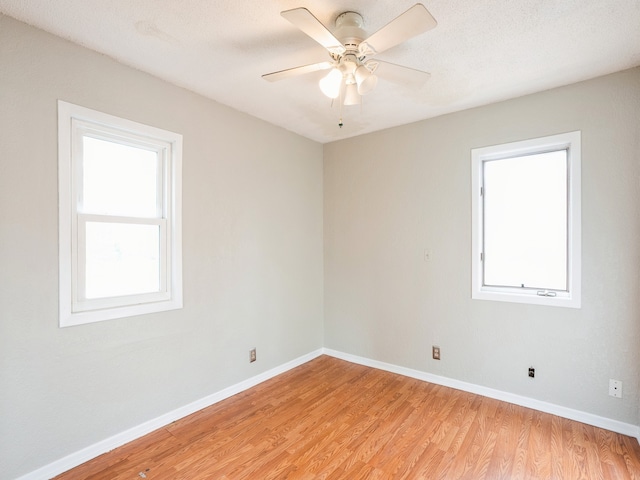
[(615, 388)]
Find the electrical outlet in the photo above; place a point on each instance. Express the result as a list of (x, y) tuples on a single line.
[(427, 255), (252, 355), (615, 388), (532, 372), (435, 352)]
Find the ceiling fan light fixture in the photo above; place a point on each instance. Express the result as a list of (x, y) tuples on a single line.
[(366, 80), (351, 95), (331, 83)]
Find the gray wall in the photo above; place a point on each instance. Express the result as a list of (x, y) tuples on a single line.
[(390, 195), (252, 256)]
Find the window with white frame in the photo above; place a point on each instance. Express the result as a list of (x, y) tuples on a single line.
[(119, 215), (526, 221)]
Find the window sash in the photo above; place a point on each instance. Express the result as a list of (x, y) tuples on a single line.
[(82, 128), (491, 255), (80, 301)]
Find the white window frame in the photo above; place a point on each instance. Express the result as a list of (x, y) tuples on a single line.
[(74, 123), (572, 296)]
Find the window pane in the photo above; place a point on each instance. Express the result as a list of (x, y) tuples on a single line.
[(122, 259), (119, 179), (525, 221)]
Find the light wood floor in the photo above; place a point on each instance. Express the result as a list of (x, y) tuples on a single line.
[(330, 419)]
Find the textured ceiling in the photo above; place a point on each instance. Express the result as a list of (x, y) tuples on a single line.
[(481, 51)]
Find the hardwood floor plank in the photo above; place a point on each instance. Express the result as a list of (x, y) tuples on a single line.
[(425, 463), (503, 457), (522, 445), (539, 453), (630, 452), (330, 419)]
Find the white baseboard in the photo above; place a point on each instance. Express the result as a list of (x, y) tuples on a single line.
[(571, 414), (108, 444)]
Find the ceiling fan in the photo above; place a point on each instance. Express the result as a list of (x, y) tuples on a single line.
[(352, 71)]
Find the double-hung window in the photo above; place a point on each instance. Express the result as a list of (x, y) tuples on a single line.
[(526, 221), (119, 213)]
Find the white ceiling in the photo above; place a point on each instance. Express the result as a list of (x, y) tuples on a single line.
[(482, 51)]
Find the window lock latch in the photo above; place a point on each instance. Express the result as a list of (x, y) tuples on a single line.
[(545, 293)]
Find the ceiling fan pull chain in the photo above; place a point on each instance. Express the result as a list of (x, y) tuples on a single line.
[(342, 89)]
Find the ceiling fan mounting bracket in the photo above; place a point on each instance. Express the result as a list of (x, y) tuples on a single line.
[(349, 19)]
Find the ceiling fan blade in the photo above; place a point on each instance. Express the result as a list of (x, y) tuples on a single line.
[(292, 72), (413, 22), (398, 74), (309, 24)]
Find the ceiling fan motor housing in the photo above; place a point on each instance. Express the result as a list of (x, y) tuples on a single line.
[(349, 30)]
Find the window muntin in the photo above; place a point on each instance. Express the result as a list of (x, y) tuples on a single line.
[(526, 221), (120, 239)]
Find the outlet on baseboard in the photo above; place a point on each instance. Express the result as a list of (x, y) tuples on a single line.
[(252, 355)]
